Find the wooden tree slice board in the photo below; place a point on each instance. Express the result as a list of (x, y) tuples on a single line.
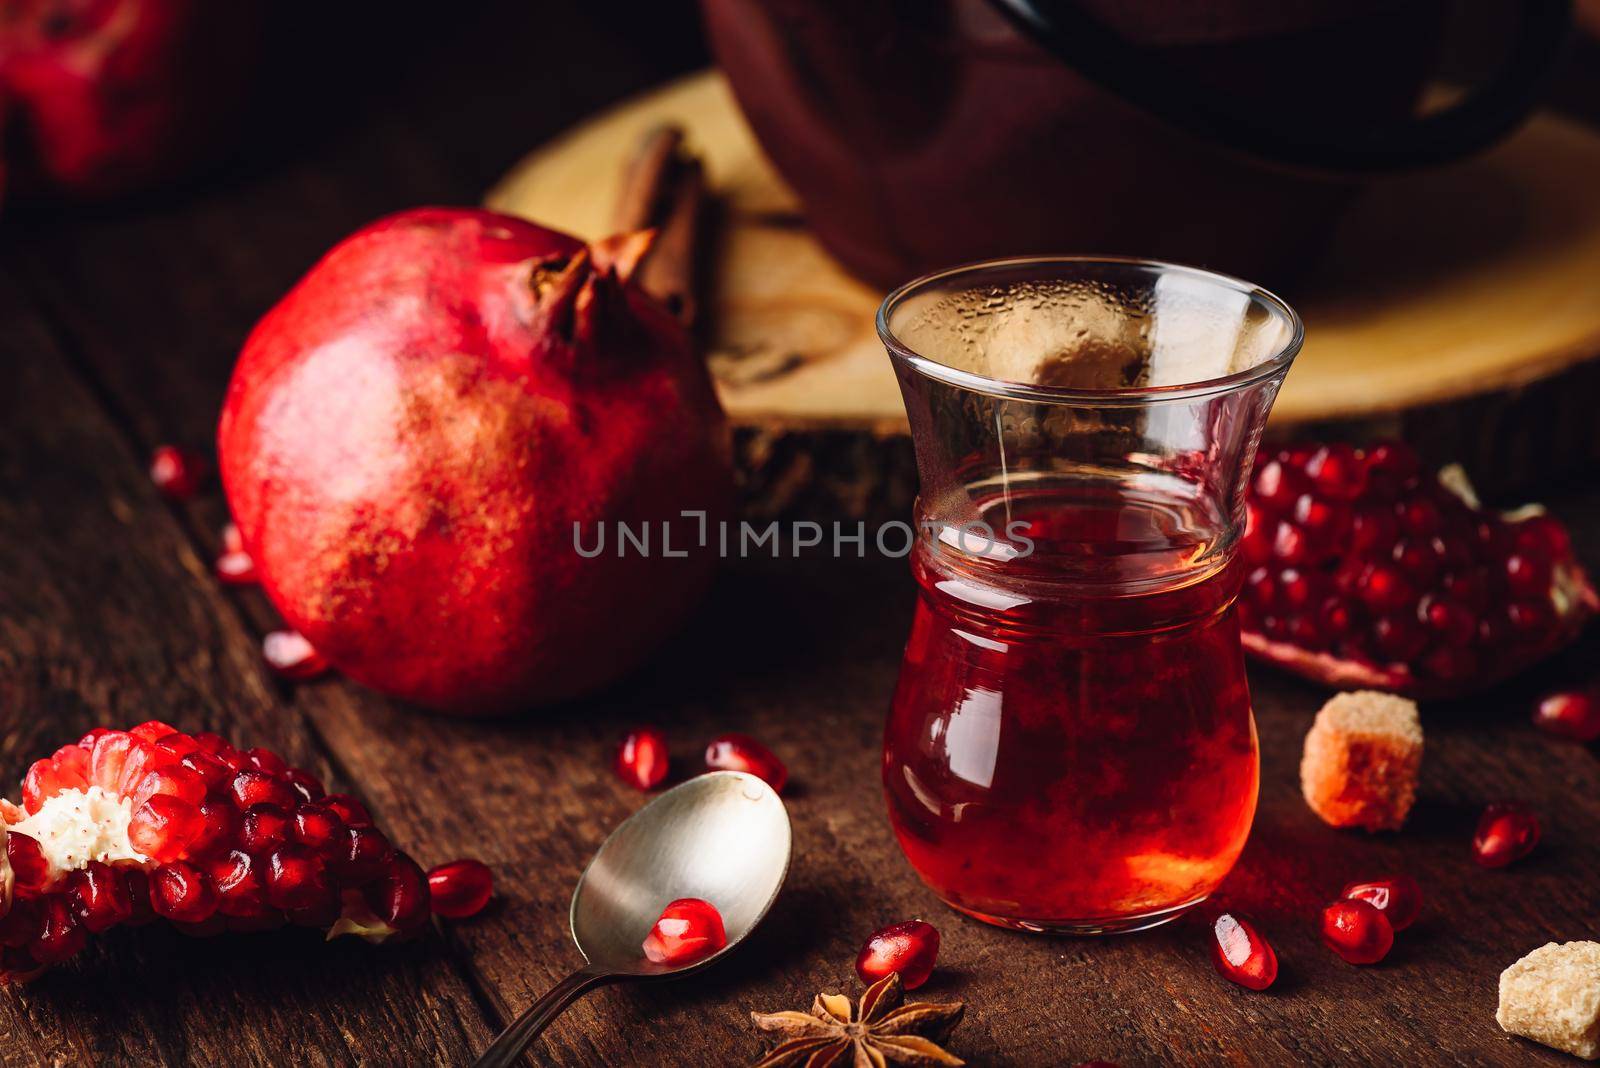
[(1460, 307)]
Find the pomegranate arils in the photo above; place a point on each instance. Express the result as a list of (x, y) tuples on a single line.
[(1572, 714), (1357, 931), (1363, 572), (265, 828), (289, 654), (364, 854), (641, 759), (176, 472), (21, 925), (688, 930), (236, 568), (319, 828), (164, 827), (99, 896), (138, 884), (294, 877), (179, 892), (400, 896), (1506, 833), (254, 787), (1398, 897), (460, 888), (1240, 954), (353, 812), (910, 948), (238, 884), (60, 933), (29, 870), (739, 752), (307, 785)]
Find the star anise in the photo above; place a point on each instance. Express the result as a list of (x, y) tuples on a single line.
[(878, 1033)]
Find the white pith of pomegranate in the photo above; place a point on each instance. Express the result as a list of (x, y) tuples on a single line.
[(125, 826), (1364, 572)]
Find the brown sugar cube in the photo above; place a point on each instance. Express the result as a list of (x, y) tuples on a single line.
[(1553, 996), (1361, 760)]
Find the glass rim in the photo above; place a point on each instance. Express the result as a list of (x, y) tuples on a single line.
[(1277, 364)]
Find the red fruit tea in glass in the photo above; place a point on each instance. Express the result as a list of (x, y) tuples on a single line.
[(1070, 746)]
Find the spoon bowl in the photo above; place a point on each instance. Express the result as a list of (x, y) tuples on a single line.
[(723, 837)]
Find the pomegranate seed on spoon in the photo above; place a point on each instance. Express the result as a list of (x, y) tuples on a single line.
[(1357, 931), (641, 759), (740, 752), (460, 888), (688, 930), (1398, 897), (1240, 954), (910, 948), (1506, 833), (1571, 714)]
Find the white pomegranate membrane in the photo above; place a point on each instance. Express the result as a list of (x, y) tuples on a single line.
[(77, 826)]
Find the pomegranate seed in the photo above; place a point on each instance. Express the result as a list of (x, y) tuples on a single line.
[(289, 654), (173, 781), (268, 761), (1254, 545), (29, 870), (1573, 714), (688, 930), (177, 745), (141, 759), (366, 852), (176, 472), (1398, 897), (307, 785), (1290, 545), (265, 828), (180, 893), (253, 787), (318, 827), (238, 883), (60, 933), (1277, 485), (1527, 576), (1542, 535), (294, 878), (641, 759), (1398, 638), (353, 812), (164, 827), (1240, 954), (94, 735), (460, 888), (909, 948), (213, 772), (399, 896), (1357, 931), (21, 924), (152, 730), (1338, 471), (1382, 588), (219, 829), (98, 896), (236, 568), (1371, 530), (107, 759), (49, 777), (138, 884), (1447, 619), (1507, 832), (1394, 462), (739, 752)]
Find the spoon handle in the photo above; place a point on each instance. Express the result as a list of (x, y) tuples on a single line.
[(525, 1028)]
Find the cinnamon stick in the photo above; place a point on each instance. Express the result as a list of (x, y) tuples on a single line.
[(664, 188)]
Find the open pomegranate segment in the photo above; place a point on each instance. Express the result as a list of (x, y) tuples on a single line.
[(125, 826), (1364, 572)]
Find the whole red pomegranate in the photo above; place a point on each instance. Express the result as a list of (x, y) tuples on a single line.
[(98, 95), (418, 433)]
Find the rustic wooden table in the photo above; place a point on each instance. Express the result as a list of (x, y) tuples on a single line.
[(119, 330)]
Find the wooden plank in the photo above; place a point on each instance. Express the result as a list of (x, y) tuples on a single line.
[(107, 616), (802, 654)]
